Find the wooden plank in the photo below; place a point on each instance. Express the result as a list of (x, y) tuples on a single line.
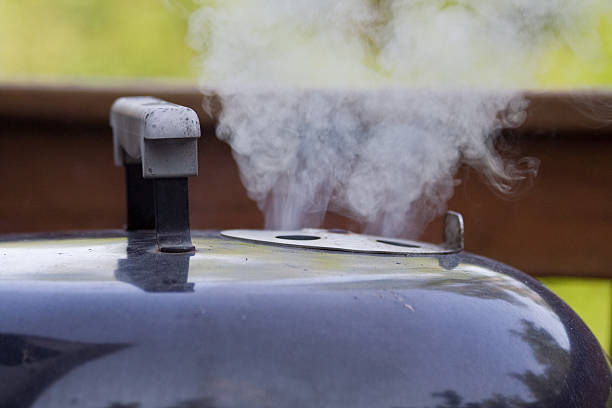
[(87, 103), (565, 112)]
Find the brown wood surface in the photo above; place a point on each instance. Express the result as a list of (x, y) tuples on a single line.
[(57, 174), (568, 112)]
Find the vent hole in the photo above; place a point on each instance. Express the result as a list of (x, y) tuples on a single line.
[(298, 237), (395, 243)]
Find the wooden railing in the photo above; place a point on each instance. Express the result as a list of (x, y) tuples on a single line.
[(58, 174)]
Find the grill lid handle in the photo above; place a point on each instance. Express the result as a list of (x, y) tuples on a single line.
[(156, 141)]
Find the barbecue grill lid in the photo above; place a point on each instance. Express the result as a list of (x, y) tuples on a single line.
[(237, 324)]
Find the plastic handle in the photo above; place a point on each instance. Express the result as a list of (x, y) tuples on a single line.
[(160, 135)]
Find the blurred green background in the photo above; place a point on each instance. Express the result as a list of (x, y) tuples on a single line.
[(94, 38), (85, 39), (146, 38)]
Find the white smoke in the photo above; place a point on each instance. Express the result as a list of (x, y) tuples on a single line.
[(368, 107)]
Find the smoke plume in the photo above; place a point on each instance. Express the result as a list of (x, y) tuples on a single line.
[(368, 107)]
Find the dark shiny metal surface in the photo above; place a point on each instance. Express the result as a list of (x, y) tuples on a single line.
[(108, 321)]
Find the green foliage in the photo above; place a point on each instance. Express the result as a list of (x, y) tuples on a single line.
[(144, 38), (139, 38), (587, 61), (591, 299)]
